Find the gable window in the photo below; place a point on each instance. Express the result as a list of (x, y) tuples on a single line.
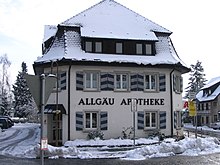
[(119, 48), (88, 46), (98, 47), (91, 120), (139, 49), (91, 80), (121, 81), (151, 120), (150, 82), (148, 49)]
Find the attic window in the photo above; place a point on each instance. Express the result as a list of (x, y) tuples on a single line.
[(98, 47), (118, 48), (145, 49), (88, 46)]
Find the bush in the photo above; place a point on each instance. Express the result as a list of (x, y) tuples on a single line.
[(96, 134)]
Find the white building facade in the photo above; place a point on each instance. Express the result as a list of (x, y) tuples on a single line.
[(105, 57)]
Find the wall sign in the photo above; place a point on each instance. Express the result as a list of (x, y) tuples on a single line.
[(127, 101)]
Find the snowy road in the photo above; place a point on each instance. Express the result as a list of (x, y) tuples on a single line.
[(18, 138)]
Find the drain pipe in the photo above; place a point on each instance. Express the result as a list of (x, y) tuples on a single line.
[(68, 106), (171, 101)]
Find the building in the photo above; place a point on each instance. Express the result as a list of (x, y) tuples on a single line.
[(208, 102), (104, 57)]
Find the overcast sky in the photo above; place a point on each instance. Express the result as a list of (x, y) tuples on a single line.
[(194, 23)]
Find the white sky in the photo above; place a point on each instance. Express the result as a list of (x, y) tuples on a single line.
[(194, 24)]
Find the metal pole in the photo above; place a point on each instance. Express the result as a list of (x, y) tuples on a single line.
[(57, 123), (134, 126), (42, 78)]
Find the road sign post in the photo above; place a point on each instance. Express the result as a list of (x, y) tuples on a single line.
[(41, 88), (134, 110)]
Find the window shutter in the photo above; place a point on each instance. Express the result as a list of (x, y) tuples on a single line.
[(175, 119), (140, 82), (137, 82), (79, 81), (174, 83), (63, 81), (140, 118), (107, 82), (162, 82), (181, 84), (163, 120), (103, 120), (79, 121), (134, 85)]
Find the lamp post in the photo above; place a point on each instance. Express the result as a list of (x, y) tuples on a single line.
[(42, 78)]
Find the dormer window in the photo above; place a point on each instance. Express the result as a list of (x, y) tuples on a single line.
[(118, 48), (98, 47), (88, 46), (145, 49)]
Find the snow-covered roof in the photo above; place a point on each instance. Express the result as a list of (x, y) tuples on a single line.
[(212, 82), (109, 19), (49, 31), (207, 97)]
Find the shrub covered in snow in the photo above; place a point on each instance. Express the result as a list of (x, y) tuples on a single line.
[(95, 134)]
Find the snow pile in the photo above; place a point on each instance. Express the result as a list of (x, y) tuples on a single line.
[(187, 146), (22, 140)]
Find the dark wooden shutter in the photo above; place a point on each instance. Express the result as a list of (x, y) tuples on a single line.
[(137, 82), (175, 119), (140, 118), (107, 82), (63, 81), (79, 80), (103, 120), (181, 84), (163, 120), (162, 82), (79, 121)]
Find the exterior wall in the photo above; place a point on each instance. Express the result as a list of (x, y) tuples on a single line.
[(118, 108)]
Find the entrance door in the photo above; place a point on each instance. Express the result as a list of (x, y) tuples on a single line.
[(57, 129)]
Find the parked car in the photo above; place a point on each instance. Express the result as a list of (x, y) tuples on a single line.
[(9, 120), (215, 125), (4, 124)]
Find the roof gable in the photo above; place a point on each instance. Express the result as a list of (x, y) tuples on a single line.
[(109, 19)]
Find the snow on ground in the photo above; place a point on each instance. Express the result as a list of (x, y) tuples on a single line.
[(112, 148)]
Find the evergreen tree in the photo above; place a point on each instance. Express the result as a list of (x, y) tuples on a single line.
[(197, 79), (5, 90), (22, 94)]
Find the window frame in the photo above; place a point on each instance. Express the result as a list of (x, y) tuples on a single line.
[(86, 46), (150, 82), (139, 52), (98, 48), (121, 82), (91, 76), (151, 127), (178, 119), (119, 50), (91, 127)]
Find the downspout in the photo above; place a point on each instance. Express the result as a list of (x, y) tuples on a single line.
[(171, 100), (68, 106)]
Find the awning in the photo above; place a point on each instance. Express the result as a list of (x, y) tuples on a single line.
[(52, 109)]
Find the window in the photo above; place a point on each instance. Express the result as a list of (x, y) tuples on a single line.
[(150, 82), (178, 87), (119, 48), (139, 49), (88, 46), (151, 120), (98, 47), (91, 80), (121, 81), (178, 119), (148, 49), (91, 120)]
